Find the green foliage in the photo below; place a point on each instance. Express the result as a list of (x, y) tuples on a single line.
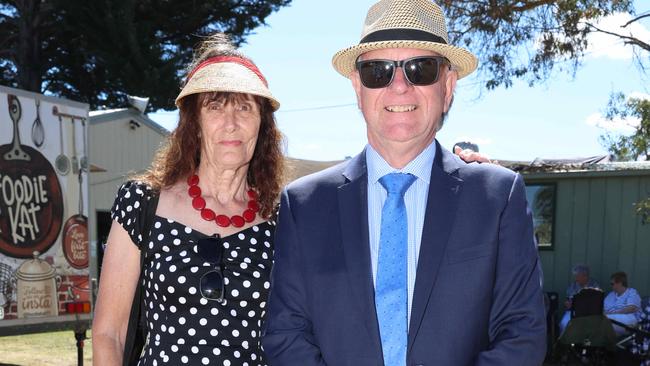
[(101, 50), (528, 38), (637, 144), (642, 209)]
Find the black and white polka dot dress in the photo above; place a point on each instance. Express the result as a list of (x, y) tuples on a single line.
[(185, 328)]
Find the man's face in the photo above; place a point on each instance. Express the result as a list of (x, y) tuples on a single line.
[(401, 116), (581, 279)]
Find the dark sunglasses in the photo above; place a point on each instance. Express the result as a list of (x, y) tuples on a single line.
[(420, 70), (211, 285)]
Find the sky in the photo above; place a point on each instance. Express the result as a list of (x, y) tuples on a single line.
[(561, 118)]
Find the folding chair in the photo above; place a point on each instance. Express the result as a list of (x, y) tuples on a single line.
[(588, 301), (589, 338), (637, 342), (551, 302)]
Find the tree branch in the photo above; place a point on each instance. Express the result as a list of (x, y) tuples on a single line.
[(532, 5), (628, 39), (635, 19)]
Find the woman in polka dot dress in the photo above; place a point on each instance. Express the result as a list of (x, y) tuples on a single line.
[(209, 250)]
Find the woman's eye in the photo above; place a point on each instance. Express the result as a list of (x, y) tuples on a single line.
[(215, 106), (245, 107)]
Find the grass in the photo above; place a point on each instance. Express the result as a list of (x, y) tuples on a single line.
[(43, 349)]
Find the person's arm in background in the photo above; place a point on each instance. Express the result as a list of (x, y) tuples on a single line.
[(632, 304), (626, 310), (570, 292)]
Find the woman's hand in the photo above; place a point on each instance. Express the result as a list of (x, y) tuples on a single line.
[(470, 156), (567, 304)]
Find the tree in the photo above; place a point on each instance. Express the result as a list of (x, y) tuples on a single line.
[(634, 146), (102, 50), (529, 38)]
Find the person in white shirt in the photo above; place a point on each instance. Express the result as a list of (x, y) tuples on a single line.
[(623, 304)]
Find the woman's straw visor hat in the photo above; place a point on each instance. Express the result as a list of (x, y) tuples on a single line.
[(416, 24), (227, 74)]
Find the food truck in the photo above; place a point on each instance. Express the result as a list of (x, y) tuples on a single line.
[(44, 250)]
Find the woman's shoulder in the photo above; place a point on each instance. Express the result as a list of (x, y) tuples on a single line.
[(131, 199), (135, 189), (632, 292)]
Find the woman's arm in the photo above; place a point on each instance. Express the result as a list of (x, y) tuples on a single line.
[(626, 310), (119, 277)]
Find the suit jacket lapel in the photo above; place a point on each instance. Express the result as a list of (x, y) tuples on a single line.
[(444, 191), (353, 216)]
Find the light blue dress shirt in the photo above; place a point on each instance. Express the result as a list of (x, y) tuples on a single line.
[(415, 200)]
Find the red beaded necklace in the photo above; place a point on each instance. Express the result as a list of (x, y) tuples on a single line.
[(207, 214)]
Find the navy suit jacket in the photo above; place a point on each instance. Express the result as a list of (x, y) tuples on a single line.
[(477, 297)]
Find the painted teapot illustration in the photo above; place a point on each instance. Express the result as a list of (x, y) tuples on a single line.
[(36, 287)]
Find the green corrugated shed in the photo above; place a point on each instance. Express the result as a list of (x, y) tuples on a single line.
[(595, 222)]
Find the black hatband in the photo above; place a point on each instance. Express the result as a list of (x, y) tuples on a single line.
[(402, 34)]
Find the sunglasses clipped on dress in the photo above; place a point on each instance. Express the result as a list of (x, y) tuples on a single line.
[(211, 285), (420, 71)]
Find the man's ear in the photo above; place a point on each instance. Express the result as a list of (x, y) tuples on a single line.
[(451, 76), (356, 84)]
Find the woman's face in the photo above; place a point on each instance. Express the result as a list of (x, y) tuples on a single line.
[(617, 287), (230, 124)]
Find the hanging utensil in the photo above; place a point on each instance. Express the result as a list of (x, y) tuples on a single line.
[(62, 162), (75, 160), (84, 159), (15, 112), (38, 133), (75, 235)]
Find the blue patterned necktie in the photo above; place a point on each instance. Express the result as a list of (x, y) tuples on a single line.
[(391, 296)]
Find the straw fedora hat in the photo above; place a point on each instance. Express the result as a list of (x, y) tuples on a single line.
[(227, 74), (405, 24)]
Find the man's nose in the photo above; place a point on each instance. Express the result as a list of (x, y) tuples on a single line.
[(400, 84)]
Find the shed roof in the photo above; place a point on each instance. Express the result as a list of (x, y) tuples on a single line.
[(595, 165), (109, 115), (538, 168)]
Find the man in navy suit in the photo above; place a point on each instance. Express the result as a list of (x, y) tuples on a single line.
[(442, 270)]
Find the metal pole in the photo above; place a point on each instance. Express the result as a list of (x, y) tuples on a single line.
[(80, 336)]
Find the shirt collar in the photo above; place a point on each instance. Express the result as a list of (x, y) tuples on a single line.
[(419, 167)]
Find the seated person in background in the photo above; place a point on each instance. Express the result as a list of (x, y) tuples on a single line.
[(582, 280), (623, 304)]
